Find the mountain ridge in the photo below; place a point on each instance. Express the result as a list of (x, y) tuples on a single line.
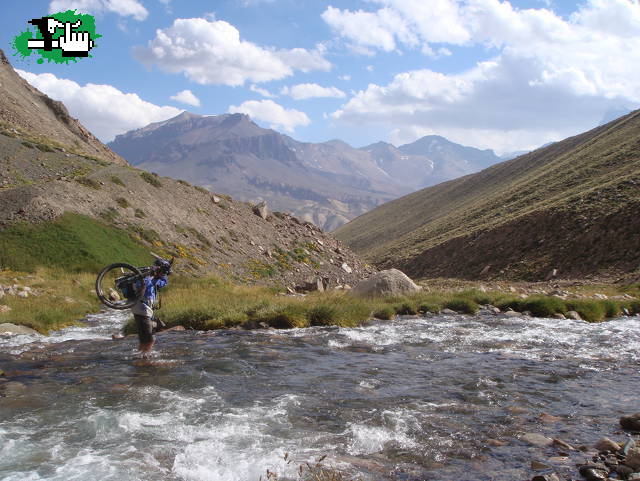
[(326, 183)]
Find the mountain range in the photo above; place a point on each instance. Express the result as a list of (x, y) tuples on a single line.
[(325, 183), (567, 209)]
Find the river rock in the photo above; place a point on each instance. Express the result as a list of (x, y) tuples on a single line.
[(448, 312), (593, 472), (574, 315), (605, 444), (633, 458), (8, 328), (388, 282), (549, 419), (536, 439), (4, 309), (512, 314), (113, 295), (538, 466), (632, 423), (13, 388), (23, 294), (563, 444), (546, 477)]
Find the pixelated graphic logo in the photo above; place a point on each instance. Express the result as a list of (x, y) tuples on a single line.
[(60, 37)]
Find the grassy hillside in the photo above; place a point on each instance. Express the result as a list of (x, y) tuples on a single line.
[(570, 206), (72, 242)]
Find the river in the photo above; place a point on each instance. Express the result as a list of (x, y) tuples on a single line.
[(409, 399)]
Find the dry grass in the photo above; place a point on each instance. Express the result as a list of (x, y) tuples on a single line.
[(58, 299)]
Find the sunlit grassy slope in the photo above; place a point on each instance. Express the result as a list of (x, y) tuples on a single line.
[(546, 209)]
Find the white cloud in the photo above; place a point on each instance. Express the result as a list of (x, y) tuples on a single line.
[(410, 23), (261, 91), (186, 97), (552, 77), (211, 52), (346, 78), (103, 109), (125, 8), (311, 90), (272, 113)]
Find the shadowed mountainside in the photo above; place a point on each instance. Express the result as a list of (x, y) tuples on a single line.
[(571, 206)]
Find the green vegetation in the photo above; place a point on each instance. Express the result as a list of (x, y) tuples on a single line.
[(110, 214), (62, 298), (72, 242), (88, 182), (117, 180), (122, 202), (140, 213), (202, 189), (151, 179)]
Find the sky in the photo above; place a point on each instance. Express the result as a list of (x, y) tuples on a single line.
[(498, 74)]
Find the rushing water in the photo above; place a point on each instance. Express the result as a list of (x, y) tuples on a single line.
[(409, 399)]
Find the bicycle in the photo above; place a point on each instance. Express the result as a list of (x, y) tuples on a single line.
[(118, 285)]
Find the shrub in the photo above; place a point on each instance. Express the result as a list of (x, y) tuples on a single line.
[(286, 317), (29, 145), (425, 307), (385, 313), (110, 214), (466, 306), (612, 308), (122, 202), (44, 148), (140, 213), (151, 179), (117, 180), (322, 315), (544, 306), (406, 308), (201, 189), (87, 182), (589, 310), (184, 182)]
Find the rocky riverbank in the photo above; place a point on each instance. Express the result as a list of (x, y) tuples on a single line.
[(605, 460)]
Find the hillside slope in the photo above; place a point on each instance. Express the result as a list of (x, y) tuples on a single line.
[(53, 195), (571, 206), (22, 106)]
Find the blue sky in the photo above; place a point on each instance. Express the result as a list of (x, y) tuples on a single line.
[(487, 73)]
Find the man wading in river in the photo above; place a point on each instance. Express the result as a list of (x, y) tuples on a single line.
[(143, 309)]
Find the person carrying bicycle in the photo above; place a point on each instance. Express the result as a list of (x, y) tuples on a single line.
[(143, 309)]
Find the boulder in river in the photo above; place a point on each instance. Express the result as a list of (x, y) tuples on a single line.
[(8, 328), (633, 459), (632, 423), (389, 282), (574, 315)]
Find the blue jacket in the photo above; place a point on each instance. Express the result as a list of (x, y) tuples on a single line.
[(144, 307)]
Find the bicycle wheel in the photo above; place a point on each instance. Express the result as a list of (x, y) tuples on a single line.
[(115, 285)]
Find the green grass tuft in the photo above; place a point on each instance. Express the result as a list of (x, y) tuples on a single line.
[(463, 305), (87, 182), (151, 179), (117, 180), (122, 202)]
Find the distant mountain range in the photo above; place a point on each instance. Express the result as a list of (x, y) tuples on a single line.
[(569, 208), (326, 183)]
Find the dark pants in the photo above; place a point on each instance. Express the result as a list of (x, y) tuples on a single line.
[(145, 328)]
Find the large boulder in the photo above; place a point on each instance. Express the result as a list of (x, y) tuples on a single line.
[(8, 328), (390, 282)]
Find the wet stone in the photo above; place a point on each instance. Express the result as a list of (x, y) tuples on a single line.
[(607, 445), (536, 439), (546, 477), (594, 472), (631, 423)]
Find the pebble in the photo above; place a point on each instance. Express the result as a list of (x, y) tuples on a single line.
[(536, 439), (538, 466), (549, 419), (607, 445)]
